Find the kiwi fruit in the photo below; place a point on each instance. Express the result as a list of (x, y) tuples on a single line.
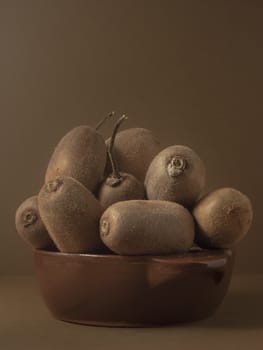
[(141, 227), (223, 217), (118, 186), (71, 215), (30, 227), (134, 150), (176, 174), (80, 154)]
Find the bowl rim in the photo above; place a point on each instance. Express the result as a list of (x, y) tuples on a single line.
[(195, 255)]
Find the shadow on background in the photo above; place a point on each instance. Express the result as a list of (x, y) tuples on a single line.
[(239, 310)]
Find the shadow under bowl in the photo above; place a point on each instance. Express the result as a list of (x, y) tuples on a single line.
[(133, 291)]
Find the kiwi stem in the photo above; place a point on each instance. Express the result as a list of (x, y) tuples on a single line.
[(115, 172), (100, 123)]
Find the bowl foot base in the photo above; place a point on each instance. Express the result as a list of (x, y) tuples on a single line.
[(134, 324)]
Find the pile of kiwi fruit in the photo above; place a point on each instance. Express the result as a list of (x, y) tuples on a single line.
[(127, 195)]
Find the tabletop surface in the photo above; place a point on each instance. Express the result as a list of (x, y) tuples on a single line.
[(25, 323)]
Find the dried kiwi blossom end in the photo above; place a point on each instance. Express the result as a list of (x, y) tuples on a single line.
[(176, 166), (105, 228), (29, 217), (52, 186)]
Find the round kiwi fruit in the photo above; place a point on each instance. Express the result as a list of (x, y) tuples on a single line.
[(80, 154), (118, 186), (176, 174), (223, 217), (30, 227), (141, 227), (134, 150), (71, 215)]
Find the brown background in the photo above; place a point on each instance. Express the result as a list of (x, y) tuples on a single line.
[(189, 70)]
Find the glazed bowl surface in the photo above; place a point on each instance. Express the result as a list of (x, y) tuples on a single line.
[(133, 291)]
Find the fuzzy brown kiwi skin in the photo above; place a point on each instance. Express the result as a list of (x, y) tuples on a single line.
[(71, 214), (141, 227), (176, 174), (223, 217), (128, 188), (134, 150), (80, 154), (30, 227)]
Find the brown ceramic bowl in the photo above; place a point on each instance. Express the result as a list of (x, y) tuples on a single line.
[(132, 291)]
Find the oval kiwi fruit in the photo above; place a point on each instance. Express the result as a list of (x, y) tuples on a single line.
[(118, 186), (223, 217), (80, 154), (29, 225), (134, 150), (71, 214), (140, 227), (176, 174)]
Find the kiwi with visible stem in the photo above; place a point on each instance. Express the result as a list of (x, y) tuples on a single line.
[(80, 154), (134, 150), (71, 214), (223, 217), (118, 186), (30, 227), (140, 227), (176, 174)]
